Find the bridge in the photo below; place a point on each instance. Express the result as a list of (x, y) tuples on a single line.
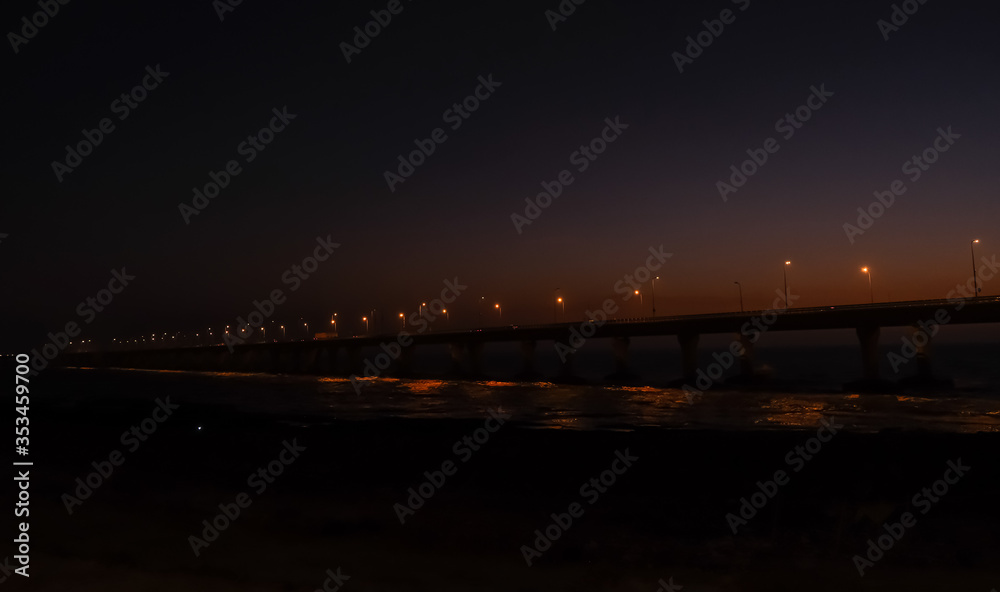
[(394, 353)]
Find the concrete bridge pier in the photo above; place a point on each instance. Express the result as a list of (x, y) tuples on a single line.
[(870, 380), (260, 360), (467, 358), (457, 350), (689, 355), (327, 362), (619, 347), (528, 371), (287, 361), (475, 349), (355, 362), (747, 357), (921, 344), (309, 360), (567, 372), (404, 363), (868, 336), (241, 360)]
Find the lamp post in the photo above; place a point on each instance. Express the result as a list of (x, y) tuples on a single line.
[(654, 294), (740, 286), (975, 278), (555, 307), (784, 275), (870, 292), (447, 316), (499, 312), (365, 319), (639, 294), (282, 332), (333, 321), (306, 325), (402, 320)]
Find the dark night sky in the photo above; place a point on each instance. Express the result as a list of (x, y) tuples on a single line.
[(323, 175)]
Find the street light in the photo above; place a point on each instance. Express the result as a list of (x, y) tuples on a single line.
[(447, 315), (741, 294), (639, 294), (555, 307), (870, 293), (499, 312), (975, 279), (365, 319), (784, 275), (402, 319), (333, 321), (282, 332), (307, 329), (654, 294)]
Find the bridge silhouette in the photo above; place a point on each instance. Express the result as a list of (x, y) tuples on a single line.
[(394, 351)]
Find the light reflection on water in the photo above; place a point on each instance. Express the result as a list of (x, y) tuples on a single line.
[(550, 405), (588, 407)]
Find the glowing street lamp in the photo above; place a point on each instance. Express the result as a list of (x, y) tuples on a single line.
[(975, 279), (562, 304), (282, 332), (869, 272), (365, 319), (402, 320), (499, 312), (333, 321), (639, 294), (307, 329), (741, 294), (447, 316)]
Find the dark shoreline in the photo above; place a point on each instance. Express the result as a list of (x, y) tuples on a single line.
[(665, 516)]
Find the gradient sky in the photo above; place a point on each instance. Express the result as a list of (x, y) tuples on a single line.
[(323, 175)]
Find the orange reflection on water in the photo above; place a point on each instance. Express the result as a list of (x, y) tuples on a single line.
[(495, 383), (656, 397), (795, 412), (639, 389), (562, 421), (423, 387)]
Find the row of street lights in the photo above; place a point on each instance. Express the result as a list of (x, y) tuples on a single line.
[(865, 270), (559, 304)]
